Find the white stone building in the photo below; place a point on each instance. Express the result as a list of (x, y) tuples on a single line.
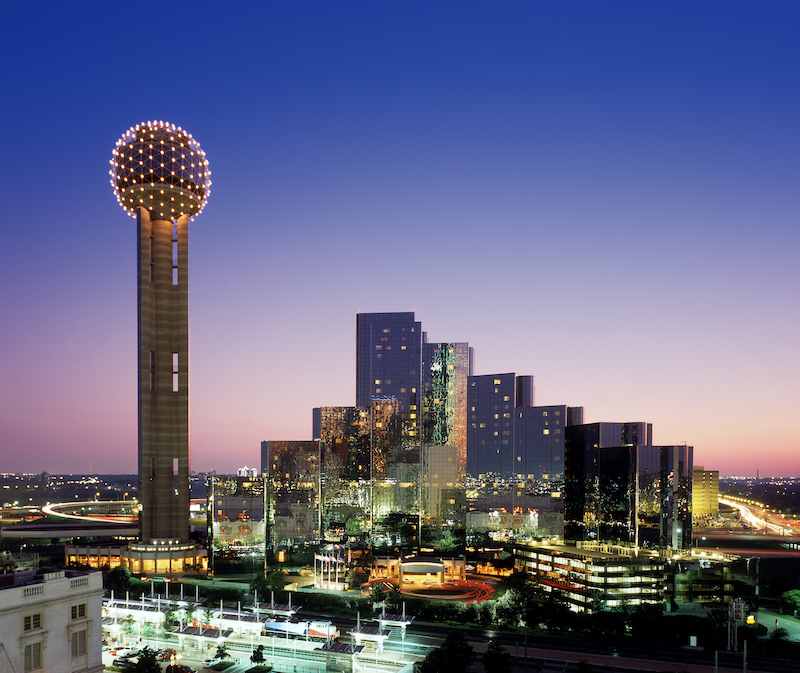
[(51, 622)]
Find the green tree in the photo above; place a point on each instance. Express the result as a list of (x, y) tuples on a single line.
[(258, 655), (779, 633), (510, 608), (791, 599), (147, 662), (119, 580), (454, 656), (129, 625), (275, 580), (171, 616), (222, 652), (394, 599), (377, 594), (355, 578), (496, 659), (191, 609), (148, 630)]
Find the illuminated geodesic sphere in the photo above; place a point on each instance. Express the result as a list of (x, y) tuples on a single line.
[(159, 166)]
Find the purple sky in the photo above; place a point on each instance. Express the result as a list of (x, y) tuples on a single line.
[(603, 195)]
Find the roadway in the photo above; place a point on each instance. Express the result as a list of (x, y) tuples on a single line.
[(760, 519)]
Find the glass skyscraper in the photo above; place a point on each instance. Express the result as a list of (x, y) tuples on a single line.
[(410, 413), (515, 451), (620, 488)]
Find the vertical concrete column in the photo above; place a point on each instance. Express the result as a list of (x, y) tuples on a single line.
[(163, 378)]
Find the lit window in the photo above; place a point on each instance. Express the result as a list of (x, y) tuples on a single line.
[(377, 382), (545, 431), (497, 382)]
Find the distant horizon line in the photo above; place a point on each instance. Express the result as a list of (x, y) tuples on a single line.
[(233, 474)]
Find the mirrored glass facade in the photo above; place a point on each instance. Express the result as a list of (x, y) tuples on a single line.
[(292, 468), (370, 469), (240, 522), (620, 488)]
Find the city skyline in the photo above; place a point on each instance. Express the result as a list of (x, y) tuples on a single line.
[(604, 198)]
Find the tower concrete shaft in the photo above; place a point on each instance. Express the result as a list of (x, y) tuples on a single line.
[(163, 294)]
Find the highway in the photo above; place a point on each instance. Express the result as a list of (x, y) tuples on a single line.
[(757, 518)]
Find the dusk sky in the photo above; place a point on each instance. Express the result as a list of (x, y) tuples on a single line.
[(604, 195)]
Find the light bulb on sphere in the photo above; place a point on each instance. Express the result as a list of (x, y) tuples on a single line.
[(158, 166)]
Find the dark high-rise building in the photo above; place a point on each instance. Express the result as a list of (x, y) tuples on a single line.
[(515, 456), (618, 487), (664, 496), (389, 360), (394, 361), (599, 482), (509, 438)]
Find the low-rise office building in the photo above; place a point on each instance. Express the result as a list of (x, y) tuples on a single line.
[(593, 576)]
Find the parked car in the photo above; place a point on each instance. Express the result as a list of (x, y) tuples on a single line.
[(121, 651), (165, 654), (208, 663), (123, 662)]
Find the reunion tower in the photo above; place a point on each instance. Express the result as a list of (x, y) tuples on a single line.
[(160, 176)]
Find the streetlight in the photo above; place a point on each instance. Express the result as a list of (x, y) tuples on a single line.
[(172, 659)]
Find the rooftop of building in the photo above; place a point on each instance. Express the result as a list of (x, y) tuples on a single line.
[(608, 552), (23, 578)]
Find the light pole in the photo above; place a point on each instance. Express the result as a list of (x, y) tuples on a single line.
[(173, 667)]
